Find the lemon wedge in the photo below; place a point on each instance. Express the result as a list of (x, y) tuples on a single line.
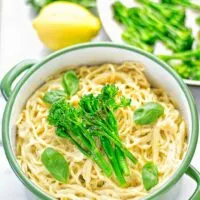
[(62, 24)]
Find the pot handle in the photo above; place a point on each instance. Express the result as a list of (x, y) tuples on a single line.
[(10, 77), (195, 175)]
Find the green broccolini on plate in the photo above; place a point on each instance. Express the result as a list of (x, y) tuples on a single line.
[(188, 63), (185, 3), (151, 22)]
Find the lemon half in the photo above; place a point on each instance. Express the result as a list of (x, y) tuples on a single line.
[(62, 24)]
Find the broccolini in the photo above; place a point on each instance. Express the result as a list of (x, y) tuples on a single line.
[(185, 3), (94, 120), (165, 22), (189, 63), (153, 22)]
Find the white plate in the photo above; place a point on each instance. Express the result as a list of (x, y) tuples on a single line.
[(114, 29)]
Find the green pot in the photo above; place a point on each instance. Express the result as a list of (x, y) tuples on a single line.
[(157, 72)]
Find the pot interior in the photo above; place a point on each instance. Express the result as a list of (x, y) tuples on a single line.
[(91, 55)]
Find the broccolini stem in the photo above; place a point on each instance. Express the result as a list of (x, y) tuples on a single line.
[(119, 144), (78, 134), (198, 20), (111, 156), (130, 39), (184, 3), (81, 149), (101, 162), (190, 5), (92, 151), (106, 130), (118, 153), (88, 136), (184, 55), (115, 155), (122, 161), (112, 122)]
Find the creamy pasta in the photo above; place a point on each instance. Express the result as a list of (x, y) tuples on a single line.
[(163, 142)]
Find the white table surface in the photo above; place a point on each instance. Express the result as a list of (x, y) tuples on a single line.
[(18, 42)]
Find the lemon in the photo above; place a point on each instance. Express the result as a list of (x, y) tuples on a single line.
[(62, 24)]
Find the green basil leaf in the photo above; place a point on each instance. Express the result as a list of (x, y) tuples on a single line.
[(150, 175), (54, 95), (55, 164), (70, 83), (148, 113)]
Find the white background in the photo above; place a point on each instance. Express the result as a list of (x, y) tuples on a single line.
[(18, 42)]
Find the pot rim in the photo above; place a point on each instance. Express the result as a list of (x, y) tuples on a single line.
[(164, 187)]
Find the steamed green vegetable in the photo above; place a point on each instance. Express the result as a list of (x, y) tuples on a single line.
[(112, 156), (122, 161), (187, 55), (100, 119), (188, 66), (150, 175), (54, 95), (169, 12), (70, 83), (68, 122), (185, 3), (39, 4), (94, 120), (198, 20), (154, 22), (56, 164), (144, 26), (183, 70), (134, 34), (132, 37), (148, 113)]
